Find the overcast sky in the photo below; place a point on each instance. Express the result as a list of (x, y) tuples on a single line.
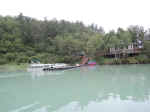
[(109, 14)]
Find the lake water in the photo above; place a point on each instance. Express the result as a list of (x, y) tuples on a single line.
[(124, 88)]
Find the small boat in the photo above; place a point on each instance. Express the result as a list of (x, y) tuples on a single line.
[(38, 65), (60, 67), (91, 62)]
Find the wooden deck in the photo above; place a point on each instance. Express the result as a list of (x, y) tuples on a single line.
[(122, 51), (126, 51)]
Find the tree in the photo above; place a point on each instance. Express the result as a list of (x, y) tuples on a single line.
[(137, 32)]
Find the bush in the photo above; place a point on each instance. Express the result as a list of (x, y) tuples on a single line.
[(108, 61), (3, 61), (117, 61), (142, 58), (124, 61), (22, 59), (68, 59), (10, 57), (30, 53), (100, 60), (132, 60)]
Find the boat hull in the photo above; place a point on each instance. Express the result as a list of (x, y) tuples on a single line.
[(59, 68)]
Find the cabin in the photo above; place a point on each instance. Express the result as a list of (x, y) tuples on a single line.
[(130, 50), (135, 48)]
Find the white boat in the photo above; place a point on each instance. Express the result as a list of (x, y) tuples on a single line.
[(58, 65), (39, 65)]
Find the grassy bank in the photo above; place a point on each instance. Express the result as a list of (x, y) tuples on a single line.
[(13, 67), (141, 59)]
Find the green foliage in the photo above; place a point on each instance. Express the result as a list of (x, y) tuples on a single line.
[(22, 59), (3, 61), (100, 60), (22, 38), (147, 48), (10, 57), (132, 60), (108, 61), (143, 59), (124, 61), (117, 61)]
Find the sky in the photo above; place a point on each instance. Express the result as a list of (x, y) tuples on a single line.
[(110, 14)]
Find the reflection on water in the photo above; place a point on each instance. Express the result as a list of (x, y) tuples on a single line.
[(25, 107), (86, 89), (35, 73)]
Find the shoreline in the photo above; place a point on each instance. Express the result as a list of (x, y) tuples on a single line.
[(24, 65), (13, 67), (127, 64)]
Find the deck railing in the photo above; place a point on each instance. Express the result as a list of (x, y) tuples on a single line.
[(125, 51), (120, 51)]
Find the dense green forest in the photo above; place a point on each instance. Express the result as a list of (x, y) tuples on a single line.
[(23, 38)]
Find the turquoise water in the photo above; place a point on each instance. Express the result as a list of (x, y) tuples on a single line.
[(124, 88)]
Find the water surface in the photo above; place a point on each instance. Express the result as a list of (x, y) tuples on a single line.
[(124, 88)]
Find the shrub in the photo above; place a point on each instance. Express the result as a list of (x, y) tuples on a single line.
[(22, 59), (108, 61), (132, 60), (142, 58), (30, 53), (117, 61), (3, 61), (10, 57), (67, 59), (124, 61), (100, 60)]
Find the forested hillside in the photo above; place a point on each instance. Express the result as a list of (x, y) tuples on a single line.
[(23, 38)]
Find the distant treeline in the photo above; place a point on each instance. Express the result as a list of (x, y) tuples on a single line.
[(23, 38)]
